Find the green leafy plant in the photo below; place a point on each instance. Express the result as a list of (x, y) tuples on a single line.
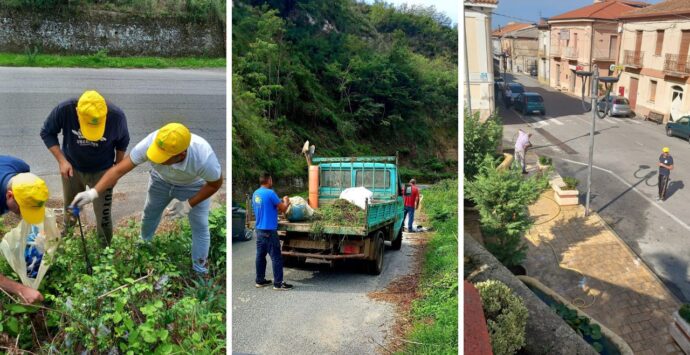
[(143, 297), (570, 183), (502, 198), (684, 312), (479, 140), (506, 317), (581, 325), (544, 160)]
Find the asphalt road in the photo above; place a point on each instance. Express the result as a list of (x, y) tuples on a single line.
[(624, 177), (328, 311), (149, 98)]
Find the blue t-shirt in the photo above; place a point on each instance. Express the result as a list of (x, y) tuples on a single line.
[(265, 205), (666, 161), (84, 155), (9, 167)]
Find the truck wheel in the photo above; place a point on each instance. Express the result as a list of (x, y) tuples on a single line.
[(376, 265), (397, 243)]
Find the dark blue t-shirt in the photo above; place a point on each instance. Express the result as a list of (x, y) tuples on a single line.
[(84, 155), (265, 204), (9, 167), (667, 161)]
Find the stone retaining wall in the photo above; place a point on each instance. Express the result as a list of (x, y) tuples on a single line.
[(118, 34)]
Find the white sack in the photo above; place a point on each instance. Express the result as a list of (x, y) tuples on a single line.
[(299, 201), (357, 196)]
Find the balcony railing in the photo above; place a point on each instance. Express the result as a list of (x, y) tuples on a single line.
[(676, 64), (633, 59), (555, 51), (570, 52)]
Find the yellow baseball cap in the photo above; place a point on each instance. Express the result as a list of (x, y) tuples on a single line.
[(171, 140), (31, 194), (92, 112), (665, 150)]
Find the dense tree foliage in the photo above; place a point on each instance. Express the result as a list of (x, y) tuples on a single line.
[(352, 78)]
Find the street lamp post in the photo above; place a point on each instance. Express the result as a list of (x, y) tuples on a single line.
[(593, 93)]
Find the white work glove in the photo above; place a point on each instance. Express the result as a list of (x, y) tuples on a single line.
[(179, 209), (85, 197)]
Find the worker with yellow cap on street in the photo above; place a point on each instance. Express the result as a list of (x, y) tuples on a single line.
[(665, 166), (24, 194), (94, 138), (185, 168)]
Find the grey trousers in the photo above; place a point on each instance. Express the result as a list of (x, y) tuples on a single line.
[(102, 206)]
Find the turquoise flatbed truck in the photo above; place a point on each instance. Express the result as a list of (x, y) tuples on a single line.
[(366, 241)]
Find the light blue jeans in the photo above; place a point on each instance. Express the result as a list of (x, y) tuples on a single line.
[(160, 193)]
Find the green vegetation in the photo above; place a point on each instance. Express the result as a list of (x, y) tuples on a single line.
[(506, 317), (684, 312), (480, 139), (502, 197), (544, 160), (203, 11), (352, 78), (435, 313), (580, 324), (340, 212), (142, 298), (570, 182), (102, 60)]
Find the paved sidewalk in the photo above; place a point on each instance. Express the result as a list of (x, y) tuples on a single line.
[(620, 291)]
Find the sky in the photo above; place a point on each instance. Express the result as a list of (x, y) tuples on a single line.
[(449, 8), (528, 10)]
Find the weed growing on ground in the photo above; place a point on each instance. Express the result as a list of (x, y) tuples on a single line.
[(103, 60), (435, 313), (142, 297)]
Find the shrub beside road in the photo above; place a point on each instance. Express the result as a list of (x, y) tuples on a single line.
[(102, 60)]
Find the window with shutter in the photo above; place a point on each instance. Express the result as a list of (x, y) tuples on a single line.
[(659, 42)]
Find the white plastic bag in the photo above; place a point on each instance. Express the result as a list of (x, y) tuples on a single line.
[(299, 201), (14, 244), (357, 196)]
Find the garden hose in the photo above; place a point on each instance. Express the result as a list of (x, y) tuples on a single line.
[(577, 302)]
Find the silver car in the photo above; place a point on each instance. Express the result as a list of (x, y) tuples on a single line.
[(617, 106)]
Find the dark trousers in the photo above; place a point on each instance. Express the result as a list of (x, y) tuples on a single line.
[(663, 185), (267, 242), (409, 213)]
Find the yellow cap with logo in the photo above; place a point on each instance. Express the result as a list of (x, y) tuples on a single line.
[(171, 140), (92, 112), (31, 194), (665, 150)]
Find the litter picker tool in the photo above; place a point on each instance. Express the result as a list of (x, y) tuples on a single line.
[(75, 212)]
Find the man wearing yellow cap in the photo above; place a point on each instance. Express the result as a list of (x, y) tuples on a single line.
[(665, 166), (25, 194), (184, 168), (94, 138)]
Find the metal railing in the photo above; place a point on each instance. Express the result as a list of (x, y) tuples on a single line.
[(633, 58), (570, 52), (676, 64)]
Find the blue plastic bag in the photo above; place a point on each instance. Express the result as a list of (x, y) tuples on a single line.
[(32, 255)]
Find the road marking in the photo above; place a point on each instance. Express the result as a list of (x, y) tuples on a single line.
[(616, 119), (654, 203)]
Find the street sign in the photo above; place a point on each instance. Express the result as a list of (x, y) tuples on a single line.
[(579, 68)]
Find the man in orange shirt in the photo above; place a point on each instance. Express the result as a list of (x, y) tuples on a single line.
[(411, 204)]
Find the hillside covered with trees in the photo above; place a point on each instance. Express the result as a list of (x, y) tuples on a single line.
[(350, 77)]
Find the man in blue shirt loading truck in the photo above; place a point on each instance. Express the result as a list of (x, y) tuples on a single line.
[(25, 194), (94, 138), (266, 204)]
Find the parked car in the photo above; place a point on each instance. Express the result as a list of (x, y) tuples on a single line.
[(617, 106), (512, 91), (679, 128), (529, 102)]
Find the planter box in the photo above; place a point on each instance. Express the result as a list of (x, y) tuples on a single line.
[(476, 336), (622, 346), (564, 197), (680, 332)]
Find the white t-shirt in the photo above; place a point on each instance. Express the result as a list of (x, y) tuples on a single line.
[(200, 164)]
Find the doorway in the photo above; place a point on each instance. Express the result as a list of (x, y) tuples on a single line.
[(676, 102), (633, 92)]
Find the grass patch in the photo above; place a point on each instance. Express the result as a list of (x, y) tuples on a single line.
[(435, 313), (340, 212), (102, 60)]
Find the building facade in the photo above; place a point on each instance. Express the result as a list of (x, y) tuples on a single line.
[(525, 49), (543, 59), (584, 37), (654, 53), (479, 56), (503, 41)]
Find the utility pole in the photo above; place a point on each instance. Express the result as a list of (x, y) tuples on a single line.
[(593, 93), (467, 70)]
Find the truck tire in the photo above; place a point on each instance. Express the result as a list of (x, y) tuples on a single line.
[(397, 243), (376, 266)]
